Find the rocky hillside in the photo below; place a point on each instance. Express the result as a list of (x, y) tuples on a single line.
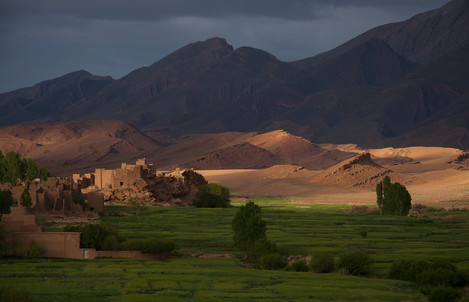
[(399, 84)]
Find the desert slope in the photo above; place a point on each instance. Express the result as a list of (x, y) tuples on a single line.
[(429, 177), (65, 148)]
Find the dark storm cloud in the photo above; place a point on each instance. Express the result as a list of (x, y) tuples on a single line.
[(153, 10), (47, 38)]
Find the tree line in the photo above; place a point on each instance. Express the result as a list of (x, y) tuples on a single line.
[(13, 167)]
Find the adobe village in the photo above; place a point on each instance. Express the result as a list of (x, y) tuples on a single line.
[(65, 196)]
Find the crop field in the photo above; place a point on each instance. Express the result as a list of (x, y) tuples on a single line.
[(297, 230)]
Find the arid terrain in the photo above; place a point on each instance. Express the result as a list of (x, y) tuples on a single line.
[(274, 163), (430, 174)]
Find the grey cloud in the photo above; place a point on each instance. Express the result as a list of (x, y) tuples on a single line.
[(48, 38)]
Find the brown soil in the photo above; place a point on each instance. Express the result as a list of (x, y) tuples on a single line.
[(433, 181)]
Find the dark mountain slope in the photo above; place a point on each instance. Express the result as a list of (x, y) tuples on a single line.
[(48, 99), (422, 38), (185, 84)]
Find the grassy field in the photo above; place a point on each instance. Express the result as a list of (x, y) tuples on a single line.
[(296, 230), (189, 279)]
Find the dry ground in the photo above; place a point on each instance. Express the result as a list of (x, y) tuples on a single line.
[(434, 181)]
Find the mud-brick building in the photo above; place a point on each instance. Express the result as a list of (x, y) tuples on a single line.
[(21, 227), (54, 194), (104, 179), (57, 194)]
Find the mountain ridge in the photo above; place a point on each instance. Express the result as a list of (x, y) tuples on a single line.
[(382, 87)]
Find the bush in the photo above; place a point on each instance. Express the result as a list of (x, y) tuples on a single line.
[(407, 270), (20, 250), (8, 294), (157, 246), (137, 206), (463, 278), (364, 210), (273, 262), (298, 266), (355, 263), (443, 294), (94, 235), (322, 263), (110, 243), (147, 246), (33, 250), (4, 249), (212, 196), (437, 276), (131, 245)]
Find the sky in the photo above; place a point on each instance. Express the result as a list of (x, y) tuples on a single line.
[(44, 39)]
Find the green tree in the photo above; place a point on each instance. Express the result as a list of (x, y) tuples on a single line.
[(6, 201), (393, 198), (212, 196), (379, 196), (14, 167), (43, 174), (26, 200), (31, 171), (249, 233)]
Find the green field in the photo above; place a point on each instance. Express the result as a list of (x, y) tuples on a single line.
[(305, 230)]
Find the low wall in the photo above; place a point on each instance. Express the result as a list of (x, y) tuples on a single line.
[(57, 244), (67, 245), (132, 255)]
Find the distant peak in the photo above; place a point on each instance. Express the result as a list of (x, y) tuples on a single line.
[(213, 43)]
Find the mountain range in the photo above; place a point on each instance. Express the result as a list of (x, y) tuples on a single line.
[(399, 84)]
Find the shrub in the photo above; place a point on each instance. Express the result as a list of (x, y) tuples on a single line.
[(147, 246), (212, 196), (364, 210), (355, 263), (463, 278), (363, 234), (137, 206), (35, 250), (443, 294), (322, 263), (93, 235), (110, 243), (8, 294), (437, 276), (4, 249), (407, 270), (298, 266), (273, 262), (20, 250), (131, 245), (157, 246)]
